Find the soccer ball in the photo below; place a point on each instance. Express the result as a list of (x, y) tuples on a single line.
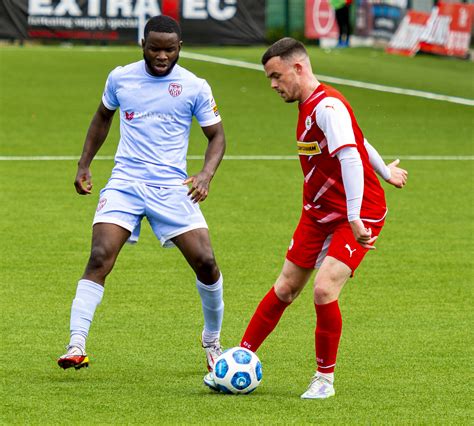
[(237, 371)]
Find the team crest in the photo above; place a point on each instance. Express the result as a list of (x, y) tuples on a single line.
[(175, 89), (102, 203), (308, 122)]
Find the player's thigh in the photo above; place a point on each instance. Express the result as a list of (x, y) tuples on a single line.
[(107, 241), (195, 245), (343, 256), (291, 281), (344, 246), (310, 243), (330, 280)]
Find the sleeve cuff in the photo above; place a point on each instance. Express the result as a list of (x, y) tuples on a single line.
[(332, 154), (387, 174), (107, 105), (210, 122)]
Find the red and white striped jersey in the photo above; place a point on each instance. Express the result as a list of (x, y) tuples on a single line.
[(326, 124)]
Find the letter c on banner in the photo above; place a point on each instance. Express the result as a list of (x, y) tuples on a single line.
[(224, 13)]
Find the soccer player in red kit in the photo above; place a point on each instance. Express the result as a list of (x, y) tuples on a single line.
[(343, 207)]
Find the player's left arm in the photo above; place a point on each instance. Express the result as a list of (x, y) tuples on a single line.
[(200, 182), (391, 173)]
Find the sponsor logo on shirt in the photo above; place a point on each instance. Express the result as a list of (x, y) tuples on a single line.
[(131, 86), (308, 148), (175, 89), (156, 116)]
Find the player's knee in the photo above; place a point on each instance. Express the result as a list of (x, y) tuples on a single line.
[(285, 290), (100, 261), (206, 268), (325, 294), (286, 294)]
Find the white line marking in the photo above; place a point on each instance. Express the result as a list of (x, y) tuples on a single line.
[(336, 80), (241, 157), (257, 67)]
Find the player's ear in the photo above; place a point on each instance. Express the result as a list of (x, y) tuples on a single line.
[(298, 68), (143, 43)]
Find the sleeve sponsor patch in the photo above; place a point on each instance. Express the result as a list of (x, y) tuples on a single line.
[(215, 110)]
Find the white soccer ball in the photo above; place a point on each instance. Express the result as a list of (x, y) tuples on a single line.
[(237, 371)]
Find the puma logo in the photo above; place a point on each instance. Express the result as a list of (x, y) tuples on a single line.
[(348, 247)]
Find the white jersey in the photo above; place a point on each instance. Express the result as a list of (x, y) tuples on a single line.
[(155, 120)]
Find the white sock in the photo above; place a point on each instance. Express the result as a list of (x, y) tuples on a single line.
[(327, 376), (212, 308), (210, 336), (88, 297)]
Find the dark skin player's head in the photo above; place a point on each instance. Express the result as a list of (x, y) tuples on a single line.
[(161, 45)]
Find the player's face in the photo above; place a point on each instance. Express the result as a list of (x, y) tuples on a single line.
[(284, 78), (161, 52)]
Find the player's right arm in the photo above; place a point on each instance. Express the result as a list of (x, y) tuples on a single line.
[(96, 135), (334, 120)]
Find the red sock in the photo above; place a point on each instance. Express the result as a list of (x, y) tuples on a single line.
[(264, 320), (327, 335)]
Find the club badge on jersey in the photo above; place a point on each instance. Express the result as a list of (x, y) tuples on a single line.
[(175, 89)]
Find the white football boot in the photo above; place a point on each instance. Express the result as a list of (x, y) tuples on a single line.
[(319, 388), (213, 351), (209, 381)]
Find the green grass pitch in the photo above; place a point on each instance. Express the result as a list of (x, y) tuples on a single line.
[(407, 346)]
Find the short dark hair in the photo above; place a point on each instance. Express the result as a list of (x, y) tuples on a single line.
[(162, 24), (284, 48)]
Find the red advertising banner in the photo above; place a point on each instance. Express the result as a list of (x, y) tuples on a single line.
[(406, 41), (320, 20), (448, 30)]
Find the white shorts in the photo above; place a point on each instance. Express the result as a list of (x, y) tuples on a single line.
[(169, 211)]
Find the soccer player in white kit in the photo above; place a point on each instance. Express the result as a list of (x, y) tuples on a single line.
[(157, 100)]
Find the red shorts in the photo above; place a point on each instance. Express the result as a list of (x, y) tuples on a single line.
[(313, 241)]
